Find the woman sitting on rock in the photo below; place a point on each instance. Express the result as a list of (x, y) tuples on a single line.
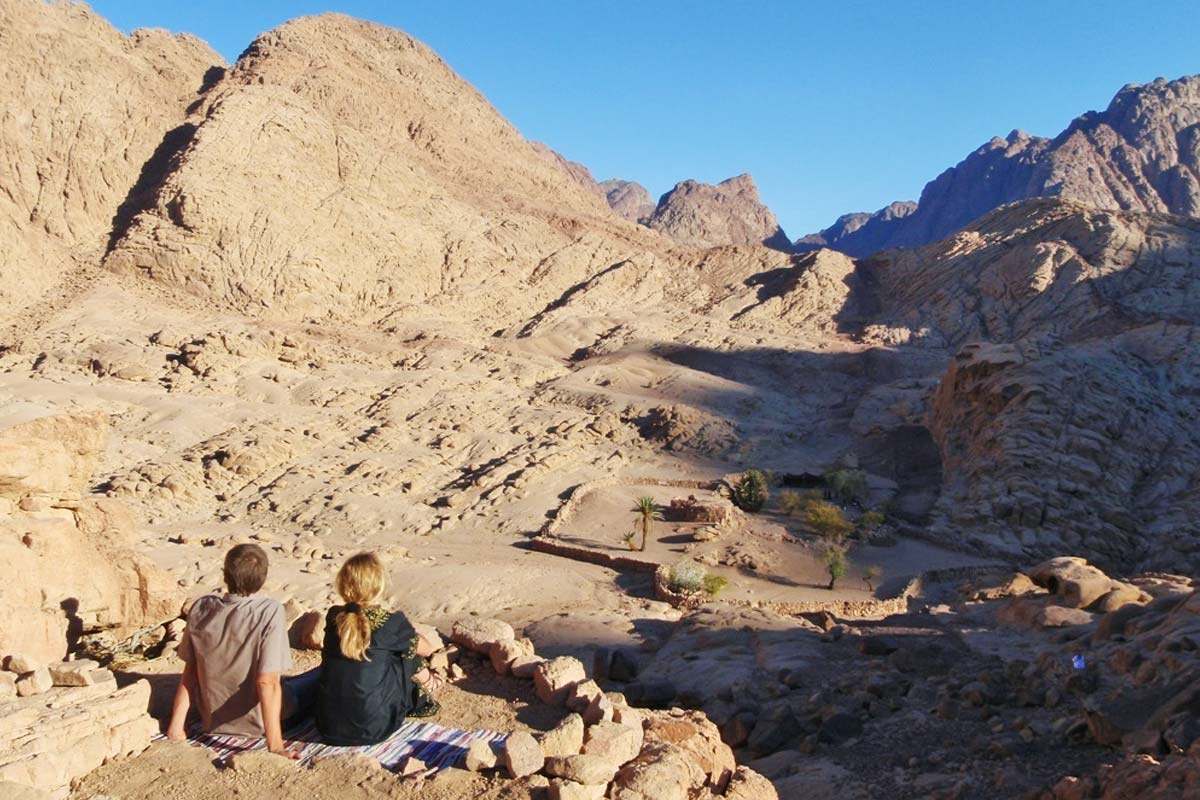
[(373, 669)]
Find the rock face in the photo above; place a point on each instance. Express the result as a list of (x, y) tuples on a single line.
[(72, 150), (629, 199), (70, 558), (704, 215), (404, 189), (1142, 153), (1068, 430)]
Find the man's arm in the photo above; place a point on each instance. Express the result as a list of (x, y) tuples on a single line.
[(177, 730), (270, 700)]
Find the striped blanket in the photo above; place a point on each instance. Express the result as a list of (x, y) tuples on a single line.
[(435, 746)]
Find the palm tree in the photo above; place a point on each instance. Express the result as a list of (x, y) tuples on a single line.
[(647, 511)]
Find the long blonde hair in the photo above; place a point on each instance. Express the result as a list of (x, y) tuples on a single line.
[(360, 582)]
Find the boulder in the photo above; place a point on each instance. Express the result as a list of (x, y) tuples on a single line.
[(599, 709), (592, 770), (525, 666), (479, 633), (480, 755), (555, 678), (565, 739), (522, 755), (21, 664), (35, 682), (430, 634), (582, 694), (1076, 582), (570, 790), (661, 772), (83, 672), (614, 741), (746, 784), (694, 734), (504, 652), (308, 631), (8, 685), (1060, 617)]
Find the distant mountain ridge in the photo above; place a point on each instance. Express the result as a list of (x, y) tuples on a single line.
[(1142, 153)]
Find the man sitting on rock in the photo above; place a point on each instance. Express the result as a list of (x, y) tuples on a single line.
[(235, 650)]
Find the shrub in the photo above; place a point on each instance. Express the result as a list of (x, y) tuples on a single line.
[(715, 584), (847, 485), (687, 576), (629, 538), (835, 562), (828, 520), (871, 520), (750, 493), (790, 502)]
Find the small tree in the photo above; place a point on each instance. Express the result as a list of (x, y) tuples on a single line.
[(870, 575), (790, 502), (846, 484), (750, 493), (647, 512), (828, 521), (835, 562)]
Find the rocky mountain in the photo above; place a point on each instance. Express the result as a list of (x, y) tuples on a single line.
[(71, 148), (848, 225), (706, 215), (407, 189), (1142, 153), (628, 199)]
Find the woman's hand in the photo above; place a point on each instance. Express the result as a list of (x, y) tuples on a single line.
[(281, 750)]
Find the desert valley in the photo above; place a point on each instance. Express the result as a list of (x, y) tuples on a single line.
[(905, 508)]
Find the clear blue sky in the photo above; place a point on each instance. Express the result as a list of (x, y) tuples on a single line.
[(832, 106)]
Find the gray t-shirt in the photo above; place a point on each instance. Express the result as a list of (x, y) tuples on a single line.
[(230, 640)]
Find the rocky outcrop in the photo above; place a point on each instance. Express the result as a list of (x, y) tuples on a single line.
[(89, 113), (629, 199), (50, 741), (1062, 420), (1142, 153), (706, 215), (69, 556)]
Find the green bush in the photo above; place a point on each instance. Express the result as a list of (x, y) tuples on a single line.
[(750, 493), (847, 485), (827, 520), (687, 576), (715, 584)]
